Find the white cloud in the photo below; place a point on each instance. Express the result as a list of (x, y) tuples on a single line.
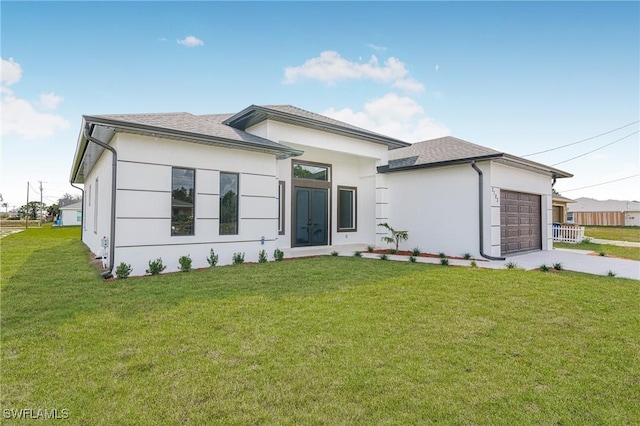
[(191, 41), (396, 116), (376, 47), (10, 72), (19, 116), (410, 85), (330, 68), (50, 100)]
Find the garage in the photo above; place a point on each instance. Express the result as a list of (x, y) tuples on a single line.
[(520, 222)]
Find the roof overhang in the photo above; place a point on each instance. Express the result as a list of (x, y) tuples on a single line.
[(255, 114), (104, 129), (502, 158)]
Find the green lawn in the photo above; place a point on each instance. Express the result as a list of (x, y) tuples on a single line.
[(619, 233), (329, 340), (609, 250)]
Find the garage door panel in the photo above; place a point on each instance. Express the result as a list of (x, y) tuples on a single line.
[(520, 222)]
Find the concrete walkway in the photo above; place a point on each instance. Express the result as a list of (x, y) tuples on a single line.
[(615, 243), (573, 260)]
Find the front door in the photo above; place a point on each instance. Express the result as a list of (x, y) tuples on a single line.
[(311, 216)]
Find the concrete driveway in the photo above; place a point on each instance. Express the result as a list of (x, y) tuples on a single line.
[(573, 260)]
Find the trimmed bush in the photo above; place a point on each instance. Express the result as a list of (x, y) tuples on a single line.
[(278, 255), (123, 270), (238, 258), (212, 260), (156, 267), (185, 263), (262, 256)]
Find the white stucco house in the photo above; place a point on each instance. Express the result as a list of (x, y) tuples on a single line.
[(267, 177), (70, 214)]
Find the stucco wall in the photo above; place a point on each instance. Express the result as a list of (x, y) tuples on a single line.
[(353, 163), (69, 217), (143, 211), (439, 208), (98, 203)]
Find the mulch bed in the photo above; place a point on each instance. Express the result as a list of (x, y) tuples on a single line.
[(408, 253)]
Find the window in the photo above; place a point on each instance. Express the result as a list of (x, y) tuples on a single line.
[(569, 217), (95, 207), (281, 189), (310, 171), (228, 203), (347, 208), (182, 205)]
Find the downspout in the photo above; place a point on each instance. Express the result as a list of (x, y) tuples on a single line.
[(81, 217), (114, 169), (481, 214)]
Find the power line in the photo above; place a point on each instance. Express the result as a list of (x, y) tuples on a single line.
[(597, 149), (603, 183), (580, 141)]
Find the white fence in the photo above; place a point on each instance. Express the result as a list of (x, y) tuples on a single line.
[(568, 233)]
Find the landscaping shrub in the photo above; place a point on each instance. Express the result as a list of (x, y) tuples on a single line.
[(357, 254), (262, 256), (416, 251), (466, 256), (212, 259), (369, 249), (511, 265), (544, 268), (444, 261), (334, 253), (278, 255), (557, 266), (396, 236), (123, 270), (238, 258), (185, 263), (412, 259), (156, 267), (384, 257)]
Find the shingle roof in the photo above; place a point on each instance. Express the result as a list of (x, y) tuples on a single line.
[(438, 150), (299, 117), (203, 125), (449, 150)]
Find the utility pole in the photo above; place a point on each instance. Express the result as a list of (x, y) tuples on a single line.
[(41, 217), (26, 217)]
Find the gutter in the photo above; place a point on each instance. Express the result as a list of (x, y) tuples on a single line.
[(481, 214), (81, 217), (114, 169)]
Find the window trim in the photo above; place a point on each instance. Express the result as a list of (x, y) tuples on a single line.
[(311, 183), (237, 204), (193, 220), (354, 212), (282, 191)]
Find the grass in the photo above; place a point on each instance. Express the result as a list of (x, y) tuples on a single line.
[(618, 233), (333, 340), (632, 253)]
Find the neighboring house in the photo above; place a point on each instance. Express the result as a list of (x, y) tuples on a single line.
[(70, 214), (588, 211), (560, 208), (281, 177)]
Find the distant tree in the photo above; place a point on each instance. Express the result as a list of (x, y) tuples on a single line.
[(32, 209), (53, 210)]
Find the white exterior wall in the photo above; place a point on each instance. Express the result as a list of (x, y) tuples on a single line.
[(70, 217), (514, 179), (353, 163), (99, 200), (439, 208), (632, 218), (143, 210)]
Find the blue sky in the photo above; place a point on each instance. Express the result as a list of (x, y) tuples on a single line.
[(520, 77)]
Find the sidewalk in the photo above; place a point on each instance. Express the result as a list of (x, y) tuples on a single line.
[(615, 243)]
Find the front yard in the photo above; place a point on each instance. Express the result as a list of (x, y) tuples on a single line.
[(328, 340)]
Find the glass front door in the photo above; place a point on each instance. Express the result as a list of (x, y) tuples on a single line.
[(311, 216)]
